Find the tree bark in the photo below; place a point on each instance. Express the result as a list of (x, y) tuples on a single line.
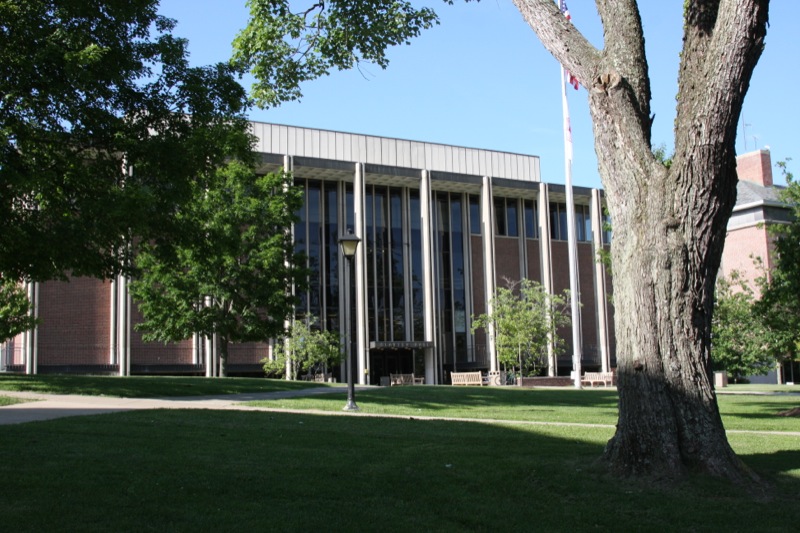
[(223, 356), (669, 223)]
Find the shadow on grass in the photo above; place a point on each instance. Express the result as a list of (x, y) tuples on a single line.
[(213, 470), (145, 386), (445, 398)]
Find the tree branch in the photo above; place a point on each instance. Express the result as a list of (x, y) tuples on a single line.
[(723, 40), (624, 51), (561, 38)]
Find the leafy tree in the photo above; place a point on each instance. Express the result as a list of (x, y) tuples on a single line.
[(780, 287), (525, 319), (228, 269), (15, 309), (741, 343), (103, 127), (669, 222), (285, 47), (308, 349)]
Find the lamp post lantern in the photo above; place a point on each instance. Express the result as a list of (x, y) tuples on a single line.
[(349, 244)]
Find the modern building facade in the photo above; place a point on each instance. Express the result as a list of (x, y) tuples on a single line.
[(441, 228)]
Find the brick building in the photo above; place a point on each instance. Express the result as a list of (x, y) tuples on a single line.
[(441, 227), (748, 241)]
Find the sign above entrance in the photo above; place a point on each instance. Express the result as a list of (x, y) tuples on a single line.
[(395, 345)]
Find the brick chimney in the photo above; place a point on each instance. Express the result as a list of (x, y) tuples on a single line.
[(755, 167)]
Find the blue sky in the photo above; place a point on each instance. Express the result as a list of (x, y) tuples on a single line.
[(482, 79)]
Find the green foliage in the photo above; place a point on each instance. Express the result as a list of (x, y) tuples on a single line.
[(780, 300), (229, 268), (15, 309), (308, 349), (741, 342), (525, 320), (660, 153), (103, 128), (285, 45)]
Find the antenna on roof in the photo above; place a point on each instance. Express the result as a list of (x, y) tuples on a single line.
[(744, 132)]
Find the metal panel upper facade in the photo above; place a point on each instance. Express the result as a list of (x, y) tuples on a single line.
[(338, 146)]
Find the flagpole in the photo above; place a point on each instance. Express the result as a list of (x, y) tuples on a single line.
[(571, 237)]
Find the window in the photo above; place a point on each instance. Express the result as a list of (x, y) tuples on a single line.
[(506, 217), (559, 230), (500, 216), (474, 215), (531, 219)]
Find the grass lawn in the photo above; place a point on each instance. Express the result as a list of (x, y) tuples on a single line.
[(189, 470), (7, 400), (144, 386)]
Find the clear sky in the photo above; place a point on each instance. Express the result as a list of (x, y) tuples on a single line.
[(481, 79)]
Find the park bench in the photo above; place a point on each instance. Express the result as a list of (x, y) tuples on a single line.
[(466, 378), (405, 379), (606, 378)]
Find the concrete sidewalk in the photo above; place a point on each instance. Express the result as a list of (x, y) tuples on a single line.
[(51, 406)]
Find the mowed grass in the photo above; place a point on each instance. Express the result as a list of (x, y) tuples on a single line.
[(174, 470), (199, 470), (145, 386), (8, 400)]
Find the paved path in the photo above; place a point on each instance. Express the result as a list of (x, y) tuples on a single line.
[(50, 406)]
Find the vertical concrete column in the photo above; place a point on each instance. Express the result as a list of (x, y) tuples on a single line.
[(112, 322), (490, 277), (122, 326), (288, 166), (547, 262), (210, 350), (426, 226), (197, 349), (30, 350), (361, 276), (601, 296)]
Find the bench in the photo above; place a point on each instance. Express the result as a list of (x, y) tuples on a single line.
[(466, 378), (405, 379), (606, 378)]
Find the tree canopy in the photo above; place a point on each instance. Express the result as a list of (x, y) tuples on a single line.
[(525, 320), (228, 270), (103, 127), (780, 288), (15, 309), (307, 348), (741, 342), (285, 45)]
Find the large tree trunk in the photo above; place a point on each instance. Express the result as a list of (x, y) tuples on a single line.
[(669, 222)]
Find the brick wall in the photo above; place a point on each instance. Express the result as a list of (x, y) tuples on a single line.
[(755, 167), (741, 246), (75, 322)]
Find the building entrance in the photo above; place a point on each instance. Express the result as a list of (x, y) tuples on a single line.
[(385, 361)]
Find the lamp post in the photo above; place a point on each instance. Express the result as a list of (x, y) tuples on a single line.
[(349, 244)]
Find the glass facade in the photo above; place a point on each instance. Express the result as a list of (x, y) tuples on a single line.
[(316, 236), (558, 222), (531, 219), (393, 240), (452, 303), (506, 217), (394, 268), (417, 274)]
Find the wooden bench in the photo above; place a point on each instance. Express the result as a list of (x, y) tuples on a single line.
[(466, 378), (405, 379), (606, 378)]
